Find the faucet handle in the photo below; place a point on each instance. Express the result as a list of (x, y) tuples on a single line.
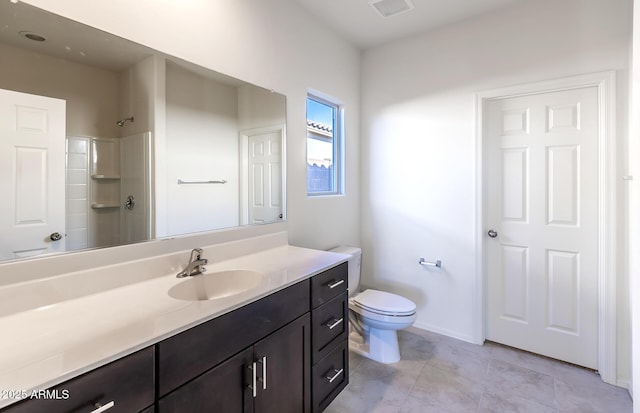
[(195, 254)]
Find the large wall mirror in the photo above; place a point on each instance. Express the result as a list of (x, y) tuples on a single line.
[(105, 142)]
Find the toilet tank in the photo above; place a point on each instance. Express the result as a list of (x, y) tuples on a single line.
[(353, 265)]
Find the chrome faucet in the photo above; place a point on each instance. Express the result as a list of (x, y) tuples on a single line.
[(195, 266)]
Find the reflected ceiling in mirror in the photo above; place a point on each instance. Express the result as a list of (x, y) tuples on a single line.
[(106, 142)]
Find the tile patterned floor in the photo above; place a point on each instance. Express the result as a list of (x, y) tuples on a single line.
[(444, 375)]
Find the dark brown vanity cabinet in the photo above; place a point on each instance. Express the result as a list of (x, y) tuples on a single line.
[(270, 373), (330, 332), (286, 352), (269, 376)]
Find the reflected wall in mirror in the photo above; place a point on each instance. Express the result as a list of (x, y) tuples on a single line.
[(106, 142)]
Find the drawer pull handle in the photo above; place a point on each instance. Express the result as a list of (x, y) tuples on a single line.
[(263, 379), (335, 376), (334, 323), (254, 379), (103, 408), (333, 284)]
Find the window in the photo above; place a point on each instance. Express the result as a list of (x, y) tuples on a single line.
[(324, 169)]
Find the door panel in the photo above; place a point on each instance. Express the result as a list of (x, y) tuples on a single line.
[(564, 294), (515, 287), (563, 171), (32, 162), (31, 186), (515, 184), (541, 198)]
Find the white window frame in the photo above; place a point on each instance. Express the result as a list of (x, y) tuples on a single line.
[(338, 148)]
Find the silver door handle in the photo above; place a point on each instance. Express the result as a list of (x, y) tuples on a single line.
[(492, 233), (55, 236), (334, 324), (437, 264), (335, 376)]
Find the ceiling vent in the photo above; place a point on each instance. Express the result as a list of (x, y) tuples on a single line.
[(390, 8)]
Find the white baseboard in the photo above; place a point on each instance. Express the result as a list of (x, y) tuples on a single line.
[(626, 384), (445, 332)]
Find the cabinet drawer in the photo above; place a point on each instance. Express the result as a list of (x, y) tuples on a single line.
[(191, 353), (330, 376), (328, 284), (330, 324), (128, 383)]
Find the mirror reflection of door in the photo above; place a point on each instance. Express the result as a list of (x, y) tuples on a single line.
[(264, 175), (32, 156)]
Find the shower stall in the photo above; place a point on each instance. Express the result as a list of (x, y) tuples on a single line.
[(108, 191)]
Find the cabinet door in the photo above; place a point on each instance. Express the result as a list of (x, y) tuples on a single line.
[(285, 358), (221, 389)]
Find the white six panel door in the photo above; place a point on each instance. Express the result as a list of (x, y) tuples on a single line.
[(541, 198), (32, 165), (265, 175)]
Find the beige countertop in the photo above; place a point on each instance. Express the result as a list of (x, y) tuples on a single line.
[(46, 345)]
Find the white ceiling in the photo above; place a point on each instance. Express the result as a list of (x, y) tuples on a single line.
[(74, 41), (66, 39), (357, 21), (354, 20)]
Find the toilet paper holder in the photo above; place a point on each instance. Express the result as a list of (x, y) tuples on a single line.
[(437, 264)]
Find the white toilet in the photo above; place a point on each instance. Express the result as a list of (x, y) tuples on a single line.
[(375, 315)]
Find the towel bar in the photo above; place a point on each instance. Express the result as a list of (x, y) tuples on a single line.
[(181, 182)]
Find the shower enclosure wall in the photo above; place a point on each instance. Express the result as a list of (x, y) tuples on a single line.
[(107, 199)]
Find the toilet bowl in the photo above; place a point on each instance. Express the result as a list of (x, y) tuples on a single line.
[(375, 316)]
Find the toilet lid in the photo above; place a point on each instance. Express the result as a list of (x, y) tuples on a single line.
[(381, 301)]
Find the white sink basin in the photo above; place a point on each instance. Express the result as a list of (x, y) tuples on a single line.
[(216, 285)]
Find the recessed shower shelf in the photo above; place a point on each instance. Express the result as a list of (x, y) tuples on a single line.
[(104, 206), (99, 176)]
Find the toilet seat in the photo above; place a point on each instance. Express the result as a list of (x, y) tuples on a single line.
[(383, 303), (383, 321)]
